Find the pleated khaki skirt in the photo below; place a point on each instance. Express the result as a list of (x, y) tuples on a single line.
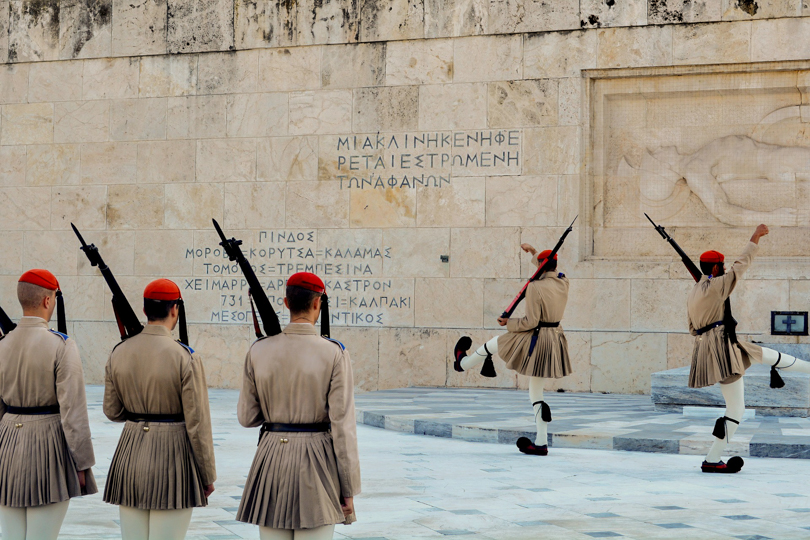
[(294, 484), (717, 360), (36, 466), (153, 468), (549, 359)]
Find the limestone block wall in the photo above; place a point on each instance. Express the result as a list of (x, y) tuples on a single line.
[(367, 140)]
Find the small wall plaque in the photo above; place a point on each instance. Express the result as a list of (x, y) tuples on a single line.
[(788, 323)]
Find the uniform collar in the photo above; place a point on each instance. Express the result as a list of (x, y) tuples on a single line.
[(156, 330), (33, 322), (301, 329)]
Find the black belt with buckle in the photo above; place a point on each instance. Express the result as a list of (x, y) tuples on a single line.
[(317, 427), (708, 327), (44, 409), (144, 417), (536, 332)]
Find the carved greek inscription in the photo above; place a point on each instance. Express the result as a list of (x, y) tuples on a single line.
[(413, 160), (358, 293)]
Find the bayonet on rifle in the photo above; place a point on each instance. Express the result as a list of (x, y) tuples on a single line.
[(255, 290), (128, 323), (729, 323), (539, 272)]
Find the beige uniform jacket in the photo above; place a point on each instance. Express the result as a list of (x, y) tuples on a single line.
[(151, 373), (714, 358), (39, 367), (545, 301), (298, 377)]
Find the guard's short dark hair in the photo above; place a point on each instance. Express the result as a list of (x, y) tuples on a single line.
[(550, 265), (157, 310), (707, 267), (300, 299)]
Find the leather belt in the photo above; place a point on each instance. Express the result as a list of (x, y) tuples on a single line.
[(536, 332), (294, 428), (144, 417), (708, 327), (44, 409)]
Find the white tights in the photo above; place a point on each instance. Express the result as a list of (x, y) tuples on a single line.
[(734, 395), (787, 362), (536, 394), (535, 386), (34, 523), (137, 524), (318, 533), (477, 358)]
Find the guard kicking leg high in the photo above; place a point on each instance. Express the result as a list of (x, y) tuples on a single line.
[(534, 345)]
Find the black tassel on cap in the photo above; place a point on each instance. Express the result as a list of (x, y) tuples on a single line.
[(720, 428), (488, 369), (61, 320), (182, 322), (325, 315)]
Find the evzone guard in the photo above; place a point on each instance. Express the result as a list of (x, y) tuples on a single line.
[(718, 356), (298, 386), (163, 466), (46, 453), (534, 345)]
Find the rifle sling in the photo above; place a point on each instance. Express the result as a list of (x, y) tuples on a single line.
[(255, 319)]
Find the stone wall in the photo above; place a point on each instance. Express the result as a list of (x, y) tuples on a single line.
[(367, 140)]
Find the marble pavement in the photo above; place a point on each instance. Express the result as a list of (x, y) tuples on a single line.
[(596, 421), (430, 487)]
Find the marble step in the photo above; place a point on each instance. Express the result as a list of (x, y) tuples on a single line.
[(670, 392)]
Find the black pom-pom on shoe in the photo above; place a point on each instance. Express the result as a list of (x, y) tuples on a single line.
[(735, 464), (462, 347), (528, 447)]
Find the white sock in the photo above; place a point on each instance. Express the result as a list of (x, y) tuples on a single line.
[(536, 394), (477, 358), (788, 363), (734, 395)]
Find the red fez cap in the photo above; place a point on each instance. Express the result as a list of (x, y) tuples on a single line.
[(544, 255), (308, 281), (162, 289), (42, 278), (712, 257)]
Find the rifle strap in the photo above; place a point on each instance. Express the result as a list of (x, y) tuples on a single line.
[(255, 319), (729, 322), (121, 329)]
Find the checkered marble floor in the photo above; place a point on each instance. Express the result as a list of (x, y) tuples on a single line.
[(594, 421), (418, 487)]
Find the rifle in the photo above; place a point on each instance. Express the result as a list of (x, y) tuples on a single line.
[(729, 323), (539, 272), (128, 323), (6, 324), (255, 290)]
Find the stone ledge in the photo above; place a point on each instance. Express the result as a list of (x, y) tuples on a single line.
[(670, 393), (590, 421)]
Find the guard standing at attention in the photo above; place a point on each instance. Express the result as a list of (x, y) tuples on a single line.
[(299, 387), (45, 447), (164, 463)]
